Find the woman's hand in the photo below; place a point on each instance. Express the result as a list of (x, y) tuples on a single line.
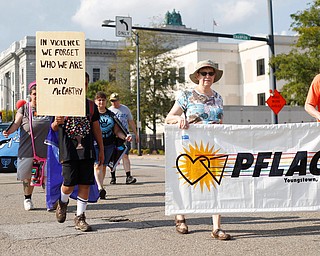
[(5, 133), (59, 120), (183, 123)]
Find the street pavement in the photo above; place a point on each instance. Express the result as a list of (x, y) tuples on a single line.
[(131, 221)]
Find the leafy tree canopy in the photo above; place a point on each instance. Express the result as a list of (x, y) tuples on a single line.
[(302, 63), (157, 77)]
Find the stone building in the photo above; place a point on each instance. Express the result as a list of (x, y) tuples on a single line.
[(245, 82)]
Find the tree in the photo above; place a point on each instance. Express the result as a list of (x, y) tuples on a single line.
[(157, 77), (302, 63), (93, 88)]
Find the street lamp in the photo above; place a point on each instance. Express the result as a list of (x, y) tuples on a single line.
[(138, 91), (106, 23)]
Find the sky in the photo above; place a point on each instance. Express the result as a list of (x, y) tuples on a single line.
[(20, 18)]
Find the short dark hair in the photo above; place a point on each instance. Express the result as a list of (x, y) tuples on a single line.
[(100, 94)]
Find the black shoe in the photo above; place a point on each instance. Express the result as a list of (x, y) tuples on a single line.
[(131, 180), (102, 193), (113, 181)]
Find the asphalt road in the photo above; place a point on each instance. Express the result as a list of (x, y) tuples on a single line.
[(132, 222)]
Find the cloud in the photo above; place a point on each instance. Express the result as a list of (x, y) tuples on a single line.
[(93, 12), (233, 12), (233, 16), (229, 14)]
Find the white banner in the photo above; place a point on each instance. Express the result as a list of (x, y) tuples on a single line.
[(243, 168)]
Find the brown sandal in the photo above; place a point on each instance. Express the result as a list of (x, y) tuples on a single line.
[(181, 226), (220, 234)]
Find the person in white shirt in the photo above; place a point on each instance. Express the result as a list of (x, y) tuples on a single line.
[(124, 115)]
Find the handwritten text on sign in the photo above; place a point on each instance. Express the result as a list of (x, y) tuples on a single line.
[(60, 60)]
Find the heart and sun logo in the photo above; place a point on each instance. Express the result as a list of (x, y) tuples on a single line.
[(201, 165)]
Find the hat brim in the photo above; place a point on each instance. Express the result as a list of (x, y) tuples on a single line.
[(217, 77)]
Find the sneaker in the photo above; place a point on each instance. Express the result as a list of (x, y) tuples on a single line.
[(113, 181), (81, 224), (28, 205), (61, 211), (102, 193), (131, 180)]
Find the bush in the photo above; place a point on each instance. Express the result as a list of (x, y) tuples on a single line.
[(134, 151), (160, 151), (146, 151), (6, 115)]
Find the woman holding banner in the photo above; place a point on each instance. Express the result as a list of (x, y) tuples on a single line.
[(199, 105), (40, 128)]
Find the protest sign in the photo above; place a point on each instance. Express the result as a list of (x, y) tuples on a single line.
[(243, 168), (60, 65)]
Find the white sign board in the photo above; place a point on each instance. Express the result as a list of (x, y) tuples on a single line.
[(60, 69), (123, 26)]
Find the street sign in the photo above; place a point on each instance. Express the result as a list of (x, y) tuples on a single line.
[(276, 102), (123, 26), (242, 36)]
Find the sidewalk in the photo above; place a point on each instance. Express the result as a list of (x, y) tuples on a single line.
[(132, 222)]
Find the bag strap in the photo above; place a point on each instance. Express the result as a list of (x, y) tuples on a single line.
[(117, 121), (31, 132), (91, 109)]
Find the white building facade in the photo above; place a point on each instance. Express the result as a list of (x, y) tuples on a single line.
[(245, 83), (246, 79)]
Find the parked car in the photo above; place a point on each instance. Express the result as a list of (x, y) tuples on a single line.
[(8, 150)]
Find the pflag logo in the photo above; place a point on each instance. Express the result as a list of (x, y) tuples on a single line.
[(201, 165), (206, 166)]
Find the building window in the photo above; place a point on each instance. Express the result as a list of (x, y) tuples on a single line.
[(172, 76), (261, 99), (182, 74), (22, 76), (112, 74), (95, 74), (260, 67)]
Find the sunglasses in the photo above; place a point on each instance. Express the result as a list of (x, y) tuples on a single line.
[(206, 73)]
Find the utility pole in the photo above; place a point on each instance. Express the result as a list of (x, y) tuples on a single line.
[(138, 92), (273, 86)]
